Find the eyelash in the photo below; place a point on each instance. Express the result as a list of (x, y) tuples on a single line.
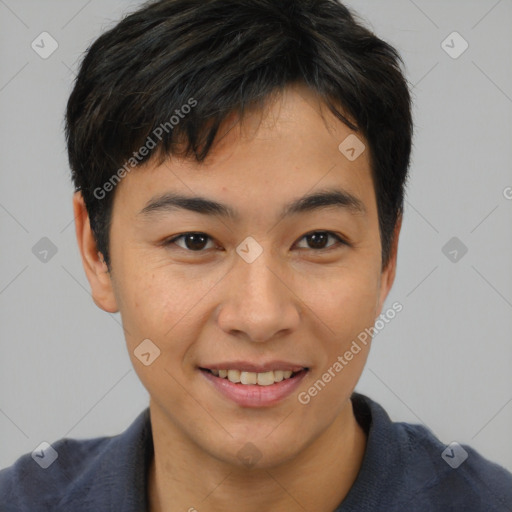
[(340, 240)]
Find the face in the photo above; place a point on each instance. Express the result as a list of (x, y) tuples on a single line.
[(259, 283)]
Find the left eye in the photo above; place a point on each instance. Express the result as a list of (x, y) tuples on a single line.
[(318, 239), (197, 242)]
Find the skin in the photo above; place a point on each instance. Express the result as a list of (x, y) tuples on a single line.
[(294, 303)]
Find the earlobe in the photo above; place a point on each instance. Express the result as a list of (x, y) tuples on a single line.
[(92, 260), (388, 274)]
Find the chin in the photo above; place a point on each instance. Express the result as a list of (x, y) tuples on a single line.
[(260, 451)]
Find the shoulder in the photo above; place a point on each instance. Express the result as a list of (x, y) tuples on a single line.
[(450, 476), (407, 467), (30, 482), (79, 475)]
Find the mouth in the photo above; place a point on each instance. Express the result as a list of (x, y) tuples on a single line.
[(248, 378), (251, 386)]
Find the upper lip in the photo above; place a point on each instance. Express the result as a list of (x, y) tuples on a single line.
[(245, 366)]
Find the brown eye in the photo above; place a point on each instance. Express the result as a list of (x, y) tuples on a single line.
[(191, 241), (198, 242), (318, 240)]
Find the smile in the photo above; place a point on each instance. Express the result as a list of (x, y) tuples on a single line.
[(252, 388), (261, 379)]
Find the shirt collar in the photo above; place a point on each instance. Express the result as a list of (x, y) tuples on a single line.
[(119, 475)]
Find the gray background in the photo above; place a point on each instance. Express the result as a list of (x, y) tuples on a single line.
[(444, 361)]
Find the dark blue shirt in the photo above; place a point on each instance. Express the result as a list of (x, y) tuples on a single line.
[(405, 468)]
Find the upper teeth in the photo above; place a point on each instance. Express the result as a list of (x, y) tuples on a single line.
[(263, 379)]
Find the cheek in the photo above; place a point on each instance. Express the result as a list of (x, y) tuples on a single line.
[(344, 302), (155, 321), (346, 306), (163, 304)]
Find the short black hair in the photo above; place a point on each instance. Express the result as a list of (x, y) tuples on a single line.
[(174, 70)]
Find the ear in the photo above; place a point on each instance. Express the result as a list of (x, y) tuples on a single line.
[(388, 274), (95, 267)]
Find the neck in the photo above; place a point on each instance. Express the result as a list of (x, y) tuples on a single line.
[(318, 478)]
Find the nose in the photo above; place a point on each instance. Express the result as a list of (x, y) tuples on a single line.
[(259, 304)]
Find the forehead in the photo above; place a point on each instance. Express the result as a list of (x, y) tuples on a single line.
[(292, 147)]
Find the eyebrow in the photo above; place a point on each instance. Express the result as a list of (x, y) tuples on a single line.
[(169, 202)]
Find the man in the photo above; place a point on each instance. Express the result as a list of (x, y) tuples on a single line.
[(239, 171)]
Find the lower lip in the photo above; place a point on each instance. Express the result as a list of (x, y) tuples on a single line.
[(253, 395)]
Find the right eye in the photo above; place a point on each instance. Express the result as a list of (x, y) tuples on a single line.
[(192, 241)]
